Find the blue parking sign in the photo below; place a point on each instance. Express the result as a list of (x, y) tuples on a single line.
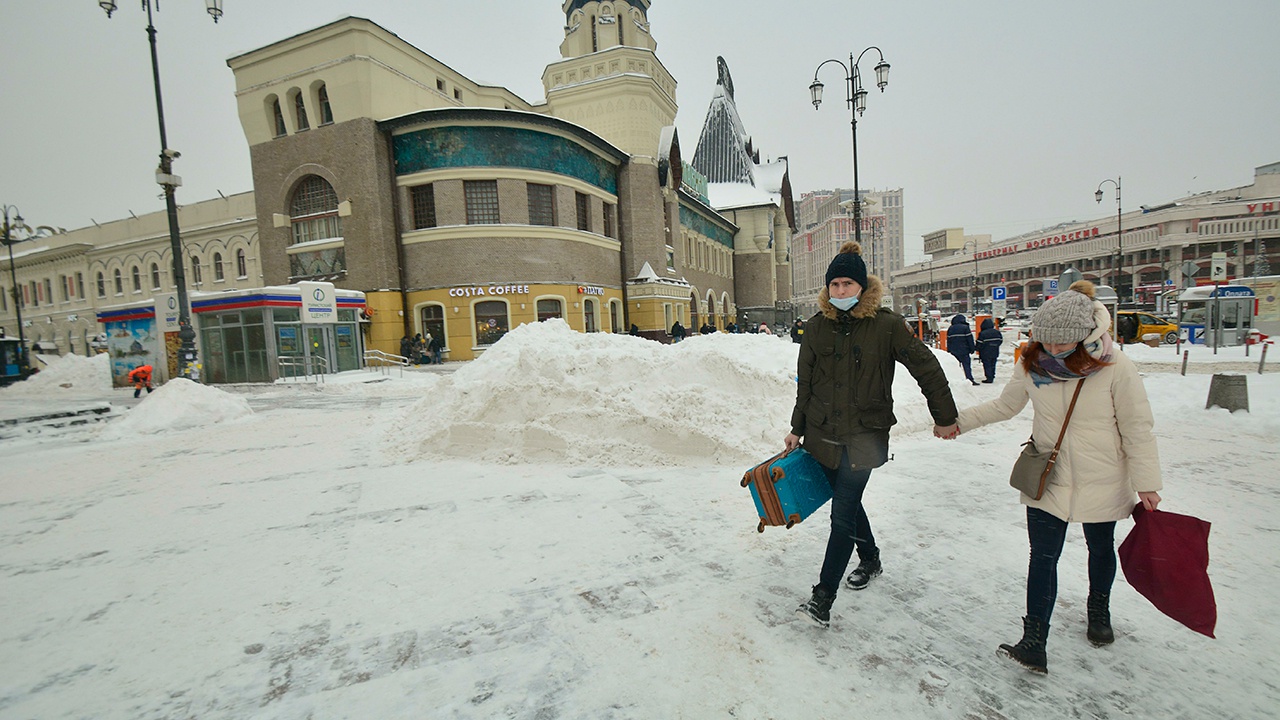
[(1053, 285), (997, 293)]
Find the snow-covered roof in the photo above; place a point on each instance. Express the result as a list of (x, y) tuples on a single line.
[(735, 195)]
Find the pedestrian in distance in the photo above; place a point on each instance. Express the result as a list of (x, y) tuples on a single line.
[(960, 344), (418, 349), (635, 330), (797, 331), (731, 328), (406, 348), (764, 329), (1108, 460), (989, 341), (844, 409), (141, 378), (435, 347), (707, 328), (677, 332)]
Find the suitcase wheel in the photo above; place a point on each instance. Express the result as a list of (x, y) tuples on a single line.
[(760, 527), (776, 473), (790, 523), (746, 480)]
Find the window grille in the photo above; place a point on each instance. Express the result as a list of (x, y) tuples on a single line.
[(482, 201), (542, 204)]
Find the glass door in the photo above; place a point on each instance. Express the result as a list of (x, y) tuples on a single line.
[(320, 355)]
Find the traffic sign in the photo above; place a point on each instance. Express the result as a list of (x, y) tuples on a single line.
[(1189, 270), (997, 293), (1218, 267)]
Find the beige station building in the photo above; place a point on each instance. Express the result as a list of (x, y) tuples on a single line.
[(457, 209)]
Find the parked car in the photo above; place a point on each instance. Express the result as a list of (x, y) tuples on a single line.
[(1147, 323)]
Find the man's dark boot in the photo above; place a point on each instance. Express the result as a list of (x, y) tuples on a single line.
[(1100, 620), (868, 568), (818, 609), (1029, 652)]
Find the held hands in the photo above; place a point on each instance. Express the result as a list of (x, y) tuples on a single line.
[(1149, 500), (791, 441), (946, 432)]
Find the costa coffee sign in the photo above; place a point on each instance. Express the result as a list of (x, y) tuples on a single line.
[(1040, 243)]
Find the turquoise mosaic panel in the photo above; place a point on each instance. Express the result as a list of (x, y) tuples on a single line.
[(455, 147), (695, 221)]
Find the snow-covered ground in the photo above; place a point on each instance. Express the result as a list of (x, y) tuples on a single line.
[(557, 531)]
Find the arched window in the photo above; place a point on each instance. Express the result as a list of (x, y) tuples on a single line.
[(300, 113), (218, 274), (119, 282), (550, 308), (196, 278), (314, 211), (242, 268), (136, 276), (102, 286), (278, 118), (491, 321), (589, 323), (326, 110), (155, 276), (314, 214)]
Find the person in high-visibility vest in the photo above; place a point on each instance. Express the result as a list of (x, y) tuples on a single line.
[(141, 378)]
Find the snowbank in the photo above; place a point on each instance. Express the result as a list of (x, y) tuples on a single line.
[(178, 405), (69, 376), (548, 394)]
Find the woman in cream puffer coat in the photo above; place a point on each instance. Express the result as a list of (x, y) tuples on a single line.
[(1107, 462)]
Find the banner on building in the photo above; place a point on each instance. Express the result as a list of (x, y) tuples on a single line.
[(319, 302)]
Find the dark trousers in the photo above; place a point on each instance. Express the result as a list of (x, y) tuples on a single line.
[(849, 526), (966, 363), (989, 368), (1047, 535)]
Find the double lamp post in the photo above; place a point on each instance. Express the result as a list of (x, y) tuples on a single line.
[(1119, 262), (856, 97), (170, 182)]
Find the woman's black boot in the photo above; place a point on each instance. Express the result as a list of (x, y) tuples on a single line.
[(1029, 652), (1100, 620)]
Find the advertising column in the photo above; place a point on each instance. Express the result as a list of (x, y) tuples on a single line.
[(167, 326)]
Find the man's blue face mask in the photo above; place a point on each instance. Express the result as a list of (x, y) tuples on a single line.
[(844, 303)]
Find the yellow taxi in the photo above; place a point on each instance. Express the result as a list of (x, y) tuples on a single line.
[(1134, 324)]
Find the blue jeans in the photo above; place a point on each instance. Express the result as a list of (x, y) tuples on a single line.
[(849, 525), (1047, 535)]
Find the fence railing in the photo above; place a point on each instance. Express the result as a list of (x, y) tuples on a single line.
[(308, 366), (383, 362)]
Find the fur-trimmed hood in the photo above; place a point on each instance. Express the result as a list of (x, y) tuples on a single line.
[(868, 302)]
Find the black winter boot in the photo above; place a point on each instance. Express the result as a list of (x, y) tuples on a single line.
[(868, 568), (1029, 652), (818, 609), (1099, 632)]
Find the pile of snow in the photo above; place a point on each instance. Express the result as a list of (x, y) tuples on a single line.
[(67, 376), (179, 404), (546, 393)]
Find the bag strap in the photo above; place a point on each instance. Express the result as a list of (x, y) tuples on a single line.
[(1070, 409)]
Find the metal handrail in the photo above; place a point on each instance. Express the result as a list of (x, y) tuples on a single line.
[(383, 362), (305, 363)]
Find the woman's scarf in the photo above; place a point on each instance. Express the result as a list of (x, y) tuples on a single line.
[(1051, 369)]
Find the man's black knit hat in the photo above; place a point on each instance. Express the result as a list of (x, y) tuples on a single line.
[(848, 263)]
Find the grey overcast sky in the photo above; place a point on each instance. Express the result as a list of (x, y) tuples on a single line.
[(1000, 117)]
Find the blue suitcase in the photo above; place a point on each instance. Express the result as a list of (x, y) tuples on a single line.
[(787, 488)]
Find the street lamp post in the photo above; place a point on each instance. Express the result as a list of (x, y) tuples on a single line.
[(974, 291), (856, 97), (24, 360), (933, 302), (1119, 263), (170, 182)]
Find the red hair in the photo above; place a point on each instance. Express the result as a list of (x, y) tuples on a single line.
[(1079, 362)]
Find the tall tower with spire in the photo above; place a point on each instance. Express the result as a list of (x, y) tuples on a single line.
[(610, 79)]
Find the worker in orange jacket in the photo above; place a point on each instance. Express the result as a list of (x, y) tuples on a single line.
[(141, 378)]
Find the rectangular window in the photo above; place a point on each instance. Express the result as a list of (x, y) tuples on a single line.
[(482, 201), (80, 285), (424, 206), (491, 321), (457, 94), (439, 84), (542, 204), (584, 212), (549, 308), (46, 293), (66, 287)]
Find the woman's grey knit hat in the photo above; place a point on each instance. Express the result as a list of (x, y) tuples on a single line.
[(1066, 318)]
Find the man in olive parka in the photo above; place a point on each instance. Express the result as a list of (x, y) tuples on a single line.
[(844, 409)]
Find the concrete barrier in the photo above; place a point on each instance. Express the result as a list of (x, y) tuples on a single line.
[(1230, 391)]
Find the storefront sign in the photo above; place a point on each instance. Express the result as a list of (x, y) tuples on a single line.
[(319, 302), (589, 290), (1040, 243), (167, 312), (490, 290), (1263, 207)]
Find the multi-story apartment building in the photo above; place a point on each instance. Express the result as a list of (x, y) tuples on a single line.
[(824, 221)]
